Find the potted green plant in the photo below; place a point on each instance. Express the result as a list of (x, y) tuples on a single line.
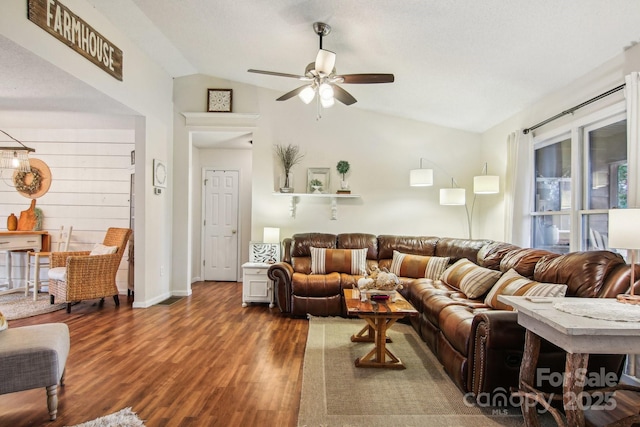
[(316, 185), (343, 167), (289, 156)]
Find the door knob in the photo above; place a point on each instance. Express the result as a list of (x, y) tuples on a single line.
[(233, 231)]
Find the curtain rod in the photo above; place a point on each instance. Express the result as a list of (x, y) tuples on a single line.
[(571, 110)]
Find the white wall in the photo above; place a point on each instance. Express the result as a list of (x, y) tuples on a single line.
[(146, 89), (89, 160), (381, 150)]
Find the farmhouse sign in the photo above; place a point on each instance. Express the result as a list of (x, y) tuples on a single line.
[(69, 28)]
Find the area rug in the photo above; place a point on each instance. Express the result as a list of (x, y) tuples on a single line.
[(123, 418), (336, 393), (17, 306)]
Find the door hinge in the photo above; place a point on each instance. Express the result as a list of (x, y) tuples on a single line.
[(203, 262), (204, 222), (205, 181)]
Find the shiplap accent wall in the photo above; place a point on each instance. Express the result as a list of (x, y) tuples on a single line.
[(91, 171)]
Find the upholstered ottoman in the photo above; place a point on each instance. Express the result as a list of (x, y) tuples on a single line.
[(32, 357)]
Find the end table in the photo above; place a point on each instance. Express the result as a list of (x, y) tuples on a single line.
[(256, 286)]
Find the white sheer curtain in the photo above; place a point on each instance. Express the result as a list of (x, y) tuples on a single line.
[(518, 184), (632, 95)]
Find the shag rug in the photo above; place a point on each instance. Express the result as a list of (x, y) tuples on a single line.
[(123, 418), (17, 306), (335, 393)]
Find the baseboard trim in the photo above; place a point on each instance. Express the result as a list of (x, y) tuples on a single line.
[(152, 301)]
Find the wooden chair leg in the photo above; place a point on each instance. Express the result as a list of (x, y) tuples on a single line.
[(52, 401), (52, 299), (68, 307), (116, 299), (101, 303)]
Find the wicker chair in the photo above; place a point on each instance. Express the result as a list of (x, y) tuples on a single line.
[(87, 276)]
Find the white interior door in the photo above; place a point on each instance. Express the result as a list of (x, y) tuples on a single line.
[(221, 226)]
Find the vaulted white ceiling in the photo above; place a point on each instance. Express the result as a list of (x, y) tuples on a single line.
[(465, 64)]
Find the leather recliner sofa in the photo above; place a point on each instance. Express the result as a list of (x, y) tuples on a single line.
[(480, 347)]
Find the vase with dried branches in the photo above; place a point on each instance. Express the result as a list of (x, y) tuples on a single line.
[(289, 156)]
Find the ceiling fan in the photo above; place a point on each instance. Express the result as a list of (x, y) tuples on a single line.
[(322, 78)]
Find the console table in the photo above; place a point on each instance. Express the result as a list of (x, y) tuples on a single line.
[(579, 336), (20, 241)]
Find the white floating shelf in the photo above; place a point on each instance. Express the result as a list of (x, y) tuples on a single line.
[(293, 199)]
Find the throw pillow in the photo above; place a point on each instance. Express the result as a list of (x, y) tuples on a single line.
[(3, 322), (349, 261), (58, 273), (100, 249), (512, 283), (473, 280), (417, 266)]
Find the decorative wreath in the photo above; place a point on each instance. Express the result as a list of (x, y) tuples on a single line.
[(33, 187)]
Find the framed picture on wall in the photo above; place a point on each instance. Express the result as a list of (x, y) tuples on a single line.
[(318, 180), (159, 173), (219, 100)]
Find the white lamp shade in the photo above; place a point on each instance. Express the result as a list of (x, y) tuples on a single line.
[(624, 228), (325, 91), (307, 94), (327, 102), (325, 61), (271, 235), (486, 184), (421, 177), (452, 196)]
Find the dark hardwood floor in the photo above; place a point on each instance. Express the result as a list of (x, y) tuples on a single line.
[(203, 361)]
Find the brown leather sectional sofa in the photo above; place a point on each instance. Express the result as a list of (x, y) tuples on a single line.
[(479, 347)]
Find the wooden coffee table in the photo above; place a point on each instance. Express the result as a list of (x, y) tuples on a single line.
[(380, 316)]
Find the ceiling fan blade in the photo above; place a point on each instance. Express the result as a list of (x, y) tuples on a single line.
[(292, 93), (367, 78), (275, 73), (343, 96), (325, 61)]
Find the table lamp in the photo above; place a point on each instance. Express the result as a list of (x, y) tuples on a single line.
[(624, 233), (271, 235)]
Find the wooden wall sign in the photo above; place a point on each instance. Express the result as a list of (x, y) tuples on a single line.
[(69, 28)]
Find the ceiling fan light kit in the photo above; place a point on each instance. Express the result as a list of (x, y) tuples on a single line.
[(323, 80), (307, 94)]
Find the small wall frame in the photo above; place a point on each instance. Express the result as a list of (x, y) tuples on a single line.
[(219, 100), (160, 173), (321, 175)]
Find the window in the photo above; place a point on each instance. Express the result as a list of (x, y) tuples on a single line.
[(580, 174), (551, 222)]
